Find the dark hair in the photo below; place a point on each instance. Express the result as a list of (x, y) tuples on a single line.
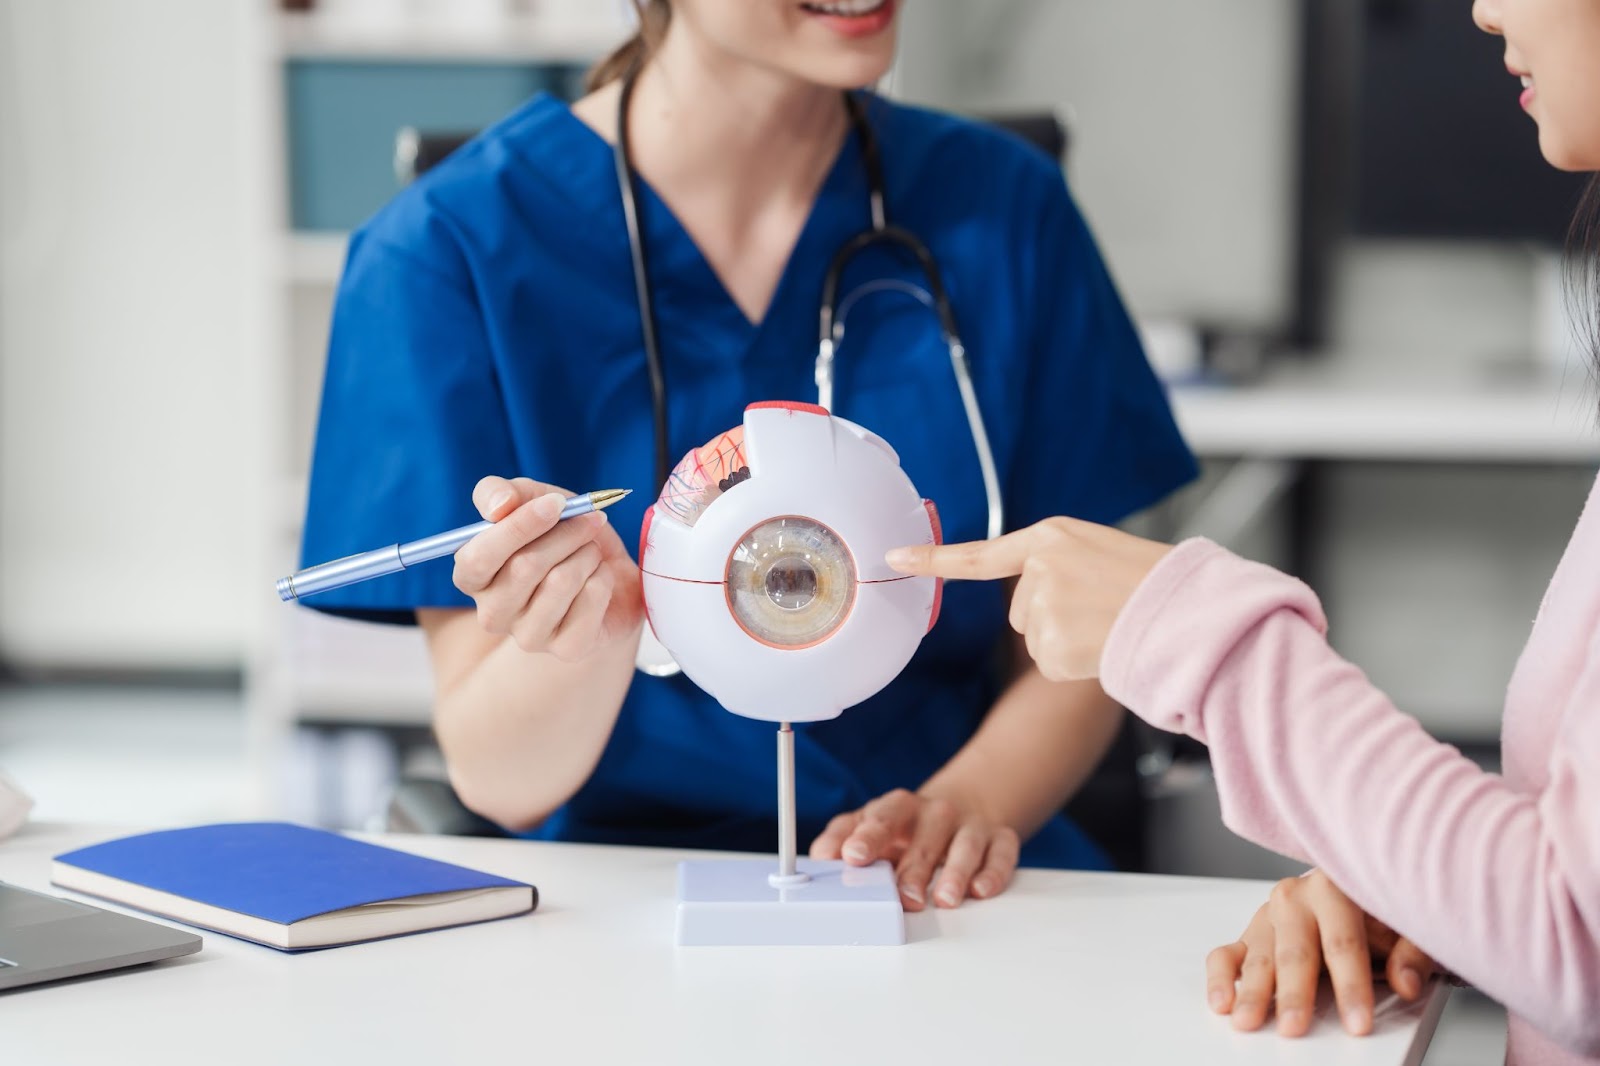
[(1583, 273), (653, 18)]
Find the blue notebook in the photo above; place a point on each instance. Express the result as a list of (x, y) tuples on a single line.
[(287, 886)]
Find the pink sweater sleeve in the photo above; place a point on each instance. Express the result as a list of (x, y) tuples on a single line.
[(1501, 887)]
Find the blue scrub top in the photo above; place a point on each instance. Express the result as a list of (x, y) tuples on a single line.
[(486, 324)]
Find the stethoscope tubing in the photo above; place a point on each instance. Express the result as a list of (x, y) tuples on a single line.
[(830, 323)]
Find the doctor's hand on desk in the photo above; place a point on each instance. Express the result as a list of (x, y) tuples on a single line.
[(919, 833), (566, 588), (1074, 580), (1307, 927)]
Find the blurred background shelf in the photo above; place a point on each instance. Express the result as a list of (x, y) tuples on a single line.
[(1331, 409), (446, 39), (357, 673)]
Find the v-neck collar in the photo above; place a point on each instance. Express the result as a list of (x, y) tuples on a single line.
[(580, 162)]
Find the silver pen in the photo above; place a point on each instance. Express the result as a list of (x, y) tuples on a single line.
[(396, 557)]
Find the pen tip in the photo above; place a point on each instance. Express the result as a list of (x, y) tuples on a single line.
[(607, 497)]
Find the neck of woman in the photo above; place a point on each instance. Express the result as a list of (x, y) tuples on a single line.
[(750, 136)]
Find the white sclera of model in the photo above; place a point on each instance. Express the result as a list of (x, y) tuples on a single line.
[(775, 599)]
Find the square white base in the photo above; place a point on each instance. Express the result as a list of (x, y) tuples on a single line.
[(730, 902)]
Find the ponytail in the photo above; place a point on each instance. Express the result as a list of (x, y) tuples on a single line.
[(653, 18)]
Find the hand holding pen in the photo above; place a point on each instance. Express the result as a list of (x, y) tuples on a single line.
[(545, 568), (551, 586)]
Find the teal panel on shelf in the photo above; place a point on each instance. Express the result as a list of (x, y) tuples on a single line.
[(343, 118)]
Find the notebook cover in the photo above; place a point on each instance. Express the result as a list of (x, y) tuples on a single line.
[(274, 870)]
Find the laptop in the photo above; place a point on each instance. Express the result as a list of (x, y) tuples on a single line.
[(43, 938)]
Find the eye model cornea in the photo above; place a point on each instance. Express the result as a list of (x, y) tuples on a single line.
[(791, 582)]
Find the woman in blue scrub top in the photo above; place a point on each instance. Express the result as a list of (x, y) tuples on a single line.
[(487, 326)]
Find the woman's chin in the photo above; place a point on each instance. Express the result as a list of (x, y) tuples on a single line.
[(848, 71), (1562, 154)]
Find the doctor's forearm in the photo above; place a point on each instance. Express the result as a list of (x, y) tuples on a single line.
[(1037, 746), (521, 732)]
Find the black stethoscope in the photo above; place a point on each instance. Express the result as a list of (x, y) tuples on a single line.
[(831, 332)]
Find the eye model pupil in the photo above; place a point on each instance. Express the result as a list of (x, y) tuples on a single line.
[(792, 583)]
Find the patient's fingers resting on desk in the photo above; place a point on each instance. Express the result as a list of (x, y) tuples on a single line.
[(552, 586), (920, 834), (1306, 925)]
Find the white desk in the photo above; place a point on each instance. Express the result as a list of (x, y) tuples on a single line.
[(1065, 967)]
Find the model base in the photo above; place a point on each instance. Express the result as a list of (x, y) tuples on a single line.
[(732, 902)]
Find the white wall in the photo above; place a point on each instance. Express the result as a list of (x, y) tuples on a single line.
[(1182, 118), (1427, 304), (126, 424)]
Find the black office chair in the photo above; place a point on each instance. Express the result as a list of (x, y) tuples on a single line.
[(1111, 805)]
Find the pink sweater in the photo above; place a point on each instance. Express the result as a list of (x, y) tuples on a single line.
[(1496, 877)]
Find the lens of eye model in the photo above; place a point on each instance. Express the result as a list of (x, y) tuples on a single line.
[(792, 583)]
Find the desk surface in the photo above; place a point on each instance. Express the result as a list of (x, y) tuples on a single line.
[(1328, 410), (1066, 967)]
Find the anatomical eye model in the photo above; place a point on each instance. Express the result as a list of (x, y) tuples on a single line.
[(764, 576), (763, 565)]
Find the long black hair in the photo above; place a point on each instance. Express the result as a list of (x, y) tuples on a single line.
[(1583, 273)]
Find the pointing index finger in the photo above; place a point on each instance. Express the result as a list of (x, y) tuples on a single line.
[(979, 560)]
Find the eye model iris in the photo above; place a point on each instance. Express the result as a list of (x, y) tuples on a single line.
[(790, 582)]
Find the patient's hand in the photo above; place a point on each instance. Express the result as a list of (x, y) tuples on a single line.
[(1074, 580), (919, 833), (1309, 922)]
